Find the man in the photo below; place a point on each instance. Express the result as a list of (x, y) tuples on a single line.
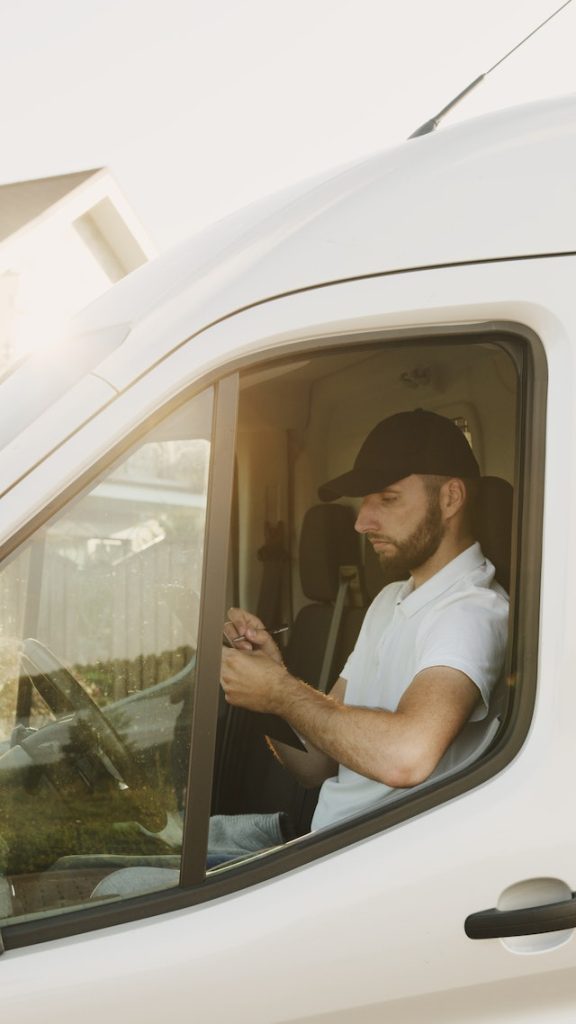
[(431, 648)]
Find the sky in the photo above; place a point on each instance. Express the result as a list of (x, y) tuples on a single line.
[(199, 107)]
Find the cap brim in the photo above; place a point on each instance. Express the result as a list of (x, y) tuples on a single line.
[(357, 484)]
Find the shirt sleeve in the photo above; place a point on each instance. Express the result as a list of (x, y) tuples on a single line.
[(469, 634)]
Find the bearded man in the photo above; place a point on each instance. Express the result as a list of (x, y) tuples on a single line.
[(431, 647)]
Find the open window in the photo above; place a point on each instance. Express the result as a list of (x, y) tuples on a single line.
[(297, 562)]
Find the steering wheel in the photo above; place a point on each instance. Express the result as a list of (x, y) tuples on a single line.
[(61, 691)]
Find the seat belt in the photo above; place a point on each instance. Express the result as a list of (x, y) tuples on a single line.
[(273, 555), (346, 574)]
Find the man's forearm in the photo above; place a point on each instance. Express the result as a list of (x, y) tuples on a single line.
[(375, 743), (370, 742)]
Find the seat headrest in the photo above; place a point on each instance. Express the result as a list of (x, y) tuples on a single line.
[(327, 541), (493, 522)]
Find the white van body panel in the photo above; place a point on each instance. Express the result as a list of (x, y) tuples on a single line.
[(58, 422), (376, 930), (386, 931)]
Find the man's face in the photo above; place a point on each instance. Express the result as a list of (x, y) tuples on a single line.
[(404, 525)]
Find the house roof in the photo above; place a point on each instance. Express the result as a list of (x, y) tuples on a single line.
[(23, 201)]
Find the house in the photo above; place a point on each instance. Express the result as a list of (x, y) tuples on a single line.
[(63, 241)]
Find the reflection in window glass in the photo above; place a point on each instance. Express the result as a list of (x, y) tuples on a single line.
[(99, 619)]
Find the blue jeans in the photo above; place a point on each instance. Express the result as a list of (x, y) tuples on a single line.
[(231, 836)]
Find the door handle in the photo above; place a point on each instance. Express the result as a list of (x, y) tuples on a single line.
[(500, 924)]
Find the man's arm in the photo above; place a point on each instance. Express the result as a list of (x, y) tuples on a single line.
[(311, 767), (399, 748)]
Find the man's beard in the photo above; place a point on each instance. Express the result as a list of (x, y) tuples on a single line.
[(417, 548)]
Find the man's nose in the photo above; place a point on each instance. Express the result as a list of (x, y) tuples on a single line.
[(365, 518)]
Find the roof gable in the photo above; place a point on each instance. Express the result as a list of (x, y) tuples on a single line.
[(23, 201)]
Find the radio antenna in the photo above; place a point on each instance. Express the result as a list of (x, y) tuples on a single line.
[(432, 124)]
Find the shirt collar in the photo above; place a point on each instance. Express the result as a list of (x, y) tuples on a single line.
[(411, 601)]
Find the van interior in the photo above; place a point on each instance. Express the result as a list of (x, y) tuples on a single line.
[(298, 561)]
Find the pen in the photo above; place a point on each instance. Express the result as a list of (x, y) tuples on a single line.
[(272, 632)]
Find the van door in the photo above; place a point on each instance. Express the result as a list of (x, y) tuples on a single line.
[(378, 914)]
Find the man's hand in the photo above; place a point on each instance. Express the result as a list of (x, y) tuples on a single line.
[(253, 680), (253, 634), (253, 676)]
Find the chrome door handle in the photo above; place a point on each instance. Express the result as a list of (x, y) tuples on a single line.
[(499, 924)]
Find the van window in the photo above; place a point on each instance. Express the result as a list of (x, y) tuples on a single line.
[(99, 619), (299, 562)]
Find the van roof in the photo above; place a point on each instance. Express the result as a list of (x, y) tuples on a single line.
[(496, 187)]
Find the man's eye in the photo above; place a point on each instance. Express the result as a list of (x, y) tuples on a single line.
[(388, 499)]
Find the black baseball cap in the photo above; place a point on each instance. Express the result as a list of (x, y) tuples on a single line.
[(419, 442)]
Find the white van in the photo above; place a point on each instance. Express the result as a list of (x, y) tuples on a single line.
[(163, 465)]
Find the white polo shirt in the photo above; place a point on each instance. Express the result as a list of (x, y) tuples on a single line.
[(458, 618)]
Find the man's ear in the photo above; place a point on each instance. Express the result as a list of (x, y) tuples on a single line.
[(452, 497)]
